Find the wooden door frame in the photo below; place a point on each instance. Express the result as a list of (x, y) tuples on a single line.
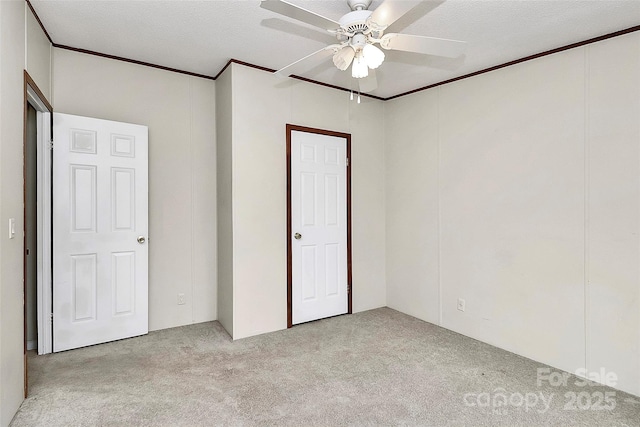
[(29, 86), (347, 137)]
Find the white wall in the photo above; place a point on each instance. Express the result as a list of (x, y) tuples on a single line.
[(38, 54), (613, 208), (262, 106), (412, 255), (22, 46), (11, 99), (517, 190), (180, 113)]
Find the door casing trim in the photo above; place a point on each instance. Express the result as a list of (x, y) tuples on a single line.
[(347, 137), (34, 96)]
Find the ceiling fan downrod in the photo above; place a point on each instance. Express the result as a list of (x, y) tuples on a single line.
[(359, 4)]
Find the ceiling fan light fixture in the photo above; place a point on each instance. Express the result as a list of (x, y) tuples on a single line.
[(361, 36), (359, 68), (373, 56), (342, 58)]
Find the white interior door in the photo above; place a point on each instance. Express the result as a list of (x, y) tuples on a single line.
[(319, 226), (100, 226)]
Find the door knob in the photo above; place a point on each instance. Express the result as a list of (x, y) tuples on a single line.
[(141, 239), (298, 236)]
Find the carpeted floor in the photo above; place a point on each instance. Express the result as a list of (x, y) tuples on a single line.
[(374, 368)]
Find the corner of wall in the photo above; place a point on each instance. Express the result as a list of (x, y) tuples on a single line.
[(224, 238), (384, 197), (1, 217), (578, 171), (203, 202)]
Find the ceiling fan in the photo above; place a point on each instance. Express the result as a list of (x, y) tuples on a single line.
[(359, 31)]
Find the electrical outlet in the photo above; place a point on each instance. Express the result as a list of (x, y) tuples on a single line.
[(461, 304), (181, 300)]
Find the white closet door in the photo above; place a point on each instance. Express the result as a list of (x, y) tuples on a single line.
[(100, 227), (319, 226)]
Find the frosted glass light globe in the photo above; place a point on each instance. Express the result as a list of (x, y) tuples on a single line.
[(373, 56), (342, 58), (359, 68)]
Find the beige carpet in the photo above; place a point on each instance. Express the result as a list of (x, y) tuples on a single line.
[(374, 368)]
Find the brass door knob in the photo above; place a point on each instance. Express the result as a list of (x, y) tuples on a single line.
[(298, 236)]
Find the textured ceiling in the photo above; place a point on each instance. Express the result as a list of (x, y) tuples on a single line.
[(201, 36)]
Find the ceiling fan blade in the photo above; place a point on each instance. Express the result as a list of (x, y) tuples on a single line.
[(289, 27), (369, 83), (425, 45), (421, 10), (318, 55), (296, 12), (390, 11)]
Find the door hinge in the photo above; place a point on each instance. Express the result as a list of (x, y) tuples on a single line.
[(51, 318), (51, 145), (347, 161)]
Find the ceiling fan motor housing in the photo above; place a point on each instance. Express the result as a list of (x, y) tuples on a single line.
[(356, 21)]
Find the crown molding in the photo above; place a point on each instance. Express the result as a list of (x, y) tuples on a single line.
[(304, 79), (132, 61), (293, 76), (525, 59)]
